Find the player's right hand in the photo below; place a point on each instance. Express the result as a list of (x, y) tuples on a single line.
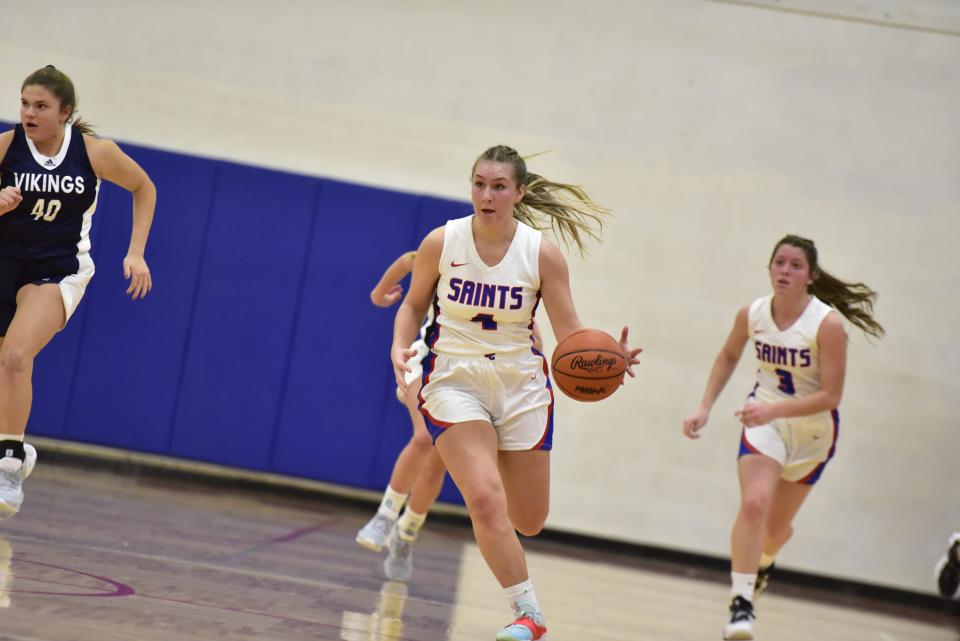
[(10, 199), (400, 356), (693, 423)]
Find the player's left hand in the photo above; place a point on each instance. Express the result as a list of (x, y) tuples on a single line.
[(753, 414), (136, 271), (631, 355), (390, 297)]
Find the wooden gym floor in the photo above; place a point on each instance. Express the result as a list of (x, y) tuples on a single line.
[(136, 556)]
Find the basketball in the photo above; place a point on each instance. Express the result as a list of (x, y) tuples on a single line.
[(588, 365)]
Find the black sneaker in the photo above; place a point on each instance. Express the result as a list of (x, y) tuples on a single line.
[(948, 569), (763, 579), (740, 627)]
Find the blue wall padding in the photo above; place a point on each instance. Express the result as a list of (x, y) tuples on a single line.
[(149, 335), (340, 375), (258, 347), (243, 319)]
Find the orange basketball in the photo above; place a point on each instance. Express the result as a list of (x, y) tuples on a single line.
[(588, 365)]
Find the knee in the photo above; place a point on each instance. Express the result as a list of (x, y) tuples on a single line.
[(529, 518), (530, 524), (13, 360), (422, 442), (487, 507), (753, 507)]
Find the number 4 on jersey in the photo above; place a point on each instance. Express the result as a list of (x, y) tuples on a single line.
[(52, 209), (486, 321)]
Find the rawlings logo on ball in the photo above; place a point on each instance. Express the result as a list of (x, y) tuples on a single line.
[(596, 364)]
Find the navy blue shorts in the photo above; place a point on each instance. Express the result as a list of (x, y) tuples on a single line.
[(17, 272)]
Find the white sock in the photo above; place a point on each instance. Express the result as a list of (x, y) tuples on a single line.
[(742, 584), (522, 598), (408, 527), (766, 560), (392, 503), (12, 437)]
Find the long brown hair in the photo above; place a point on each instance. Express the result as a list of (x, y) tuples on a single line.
[(853, 300), (60, 85), (564, 209)]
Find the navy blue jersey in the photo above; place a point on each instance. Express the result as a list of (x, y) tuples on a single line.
[(59, 197)]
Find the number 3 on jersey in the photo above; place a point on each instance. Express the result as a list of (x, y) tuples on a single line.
[(786, 382), (48, 213)]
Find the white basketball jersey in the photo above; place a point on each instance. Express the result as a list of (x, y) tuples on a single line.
[(484, 310), (788, 361)]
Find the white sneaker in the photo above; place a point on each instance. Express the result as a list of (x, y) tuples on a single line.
[(527, 627), (16, 465), (398, 566), (740, 627), (373, 535)]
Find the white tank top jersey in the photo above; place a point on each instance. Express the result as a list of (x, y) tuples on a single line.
[(788, 361), (483, 310)]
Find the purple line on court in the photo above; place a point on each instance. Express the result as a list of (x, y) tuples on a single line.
[(296, 534), (283, 538), (120, 589)]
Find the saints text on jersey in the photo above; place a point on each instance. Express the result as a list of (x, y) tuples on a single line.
[(468, 292), (779, 355)]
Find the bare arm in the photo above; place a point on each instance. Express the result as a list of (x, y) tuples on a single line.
[(832, 340), (6, 138), (110, 163), (10, 197), (723, 368), (388, 289), (426, 273), (555, 291)]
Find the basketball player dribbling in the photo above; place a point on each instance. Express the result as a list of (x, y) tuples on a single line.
[(790, 420), (50, 172), (418, 472), (486, 395)]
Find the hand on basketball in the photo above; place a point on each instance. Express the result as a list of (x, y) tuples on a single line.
[(136, 271), (10, 199), (400, 356), (390, 297), (753, 414), (693, 423), (629, 354)]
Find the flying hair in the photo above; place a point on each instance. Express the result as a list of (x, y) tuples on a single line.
[(566, 210), (854, 301)]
